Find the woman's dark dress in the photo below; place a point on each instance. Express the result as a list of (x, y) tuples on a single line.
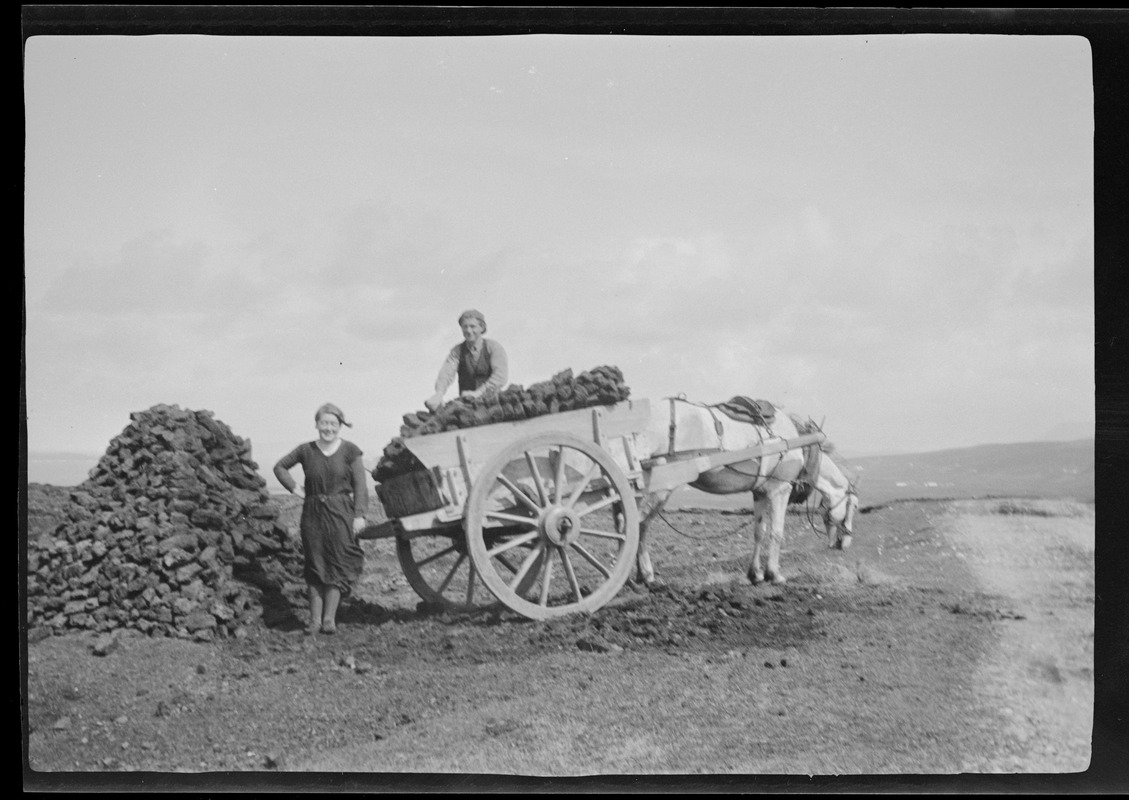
[(335, 493)]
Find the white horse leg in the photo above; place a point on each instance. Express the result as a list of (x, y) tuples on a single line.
[(649, 508), (831, 529), (756, 572), (838, 535), (778, 507), (848, 525)]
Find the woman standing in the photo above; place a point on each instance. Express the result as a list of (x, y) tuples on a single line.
[(333, 514)]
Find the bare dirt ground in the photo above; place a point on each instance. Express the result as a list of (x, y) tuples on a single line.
[(954, 638)]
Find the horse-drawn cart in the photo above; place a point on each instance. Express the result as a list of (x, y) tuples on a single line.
[(540, 515)]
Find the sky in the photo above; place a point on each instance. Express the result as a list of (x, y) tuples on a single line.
[(893, 234)]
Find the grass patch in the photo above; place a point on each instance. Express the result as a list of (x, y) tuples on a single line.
[(1043, 508)]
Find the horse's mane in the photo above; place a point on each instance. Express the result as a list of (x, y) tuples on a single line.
[(804, 426)]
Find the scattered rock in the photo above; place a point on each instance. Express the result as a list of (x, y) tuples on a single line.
[(497, 727), (105, 644), (62, 724)]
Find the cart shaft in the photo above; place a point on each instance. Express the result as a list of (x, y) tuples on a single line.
[(673, 474)]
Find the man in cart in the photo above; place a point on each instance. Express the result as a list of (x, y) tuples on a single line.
[(478, 363)]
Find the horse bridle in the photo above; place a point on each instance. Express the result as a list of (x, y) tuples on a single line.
[(830, 509)]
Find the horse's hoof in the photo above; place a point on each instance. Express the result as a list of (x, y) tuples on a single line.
[(777, 579), (845, 542), (754, 578)]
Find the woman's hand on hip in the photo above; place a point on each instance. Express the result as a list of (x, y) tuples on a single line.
[(359, 525)]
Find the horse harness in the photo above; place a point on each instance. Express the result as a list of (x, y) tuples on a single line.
[(742, 410), (717, 428)]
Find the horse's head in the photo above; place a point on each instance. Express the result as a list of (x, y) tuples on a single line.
[(839, 503), (839, 520)]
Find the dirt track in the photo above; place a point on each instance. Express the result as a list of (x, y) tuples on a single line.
[(952, 638)]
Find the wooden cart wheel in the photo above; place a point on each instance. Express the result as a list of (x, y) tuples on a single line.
[(440, 570), (542, 530)]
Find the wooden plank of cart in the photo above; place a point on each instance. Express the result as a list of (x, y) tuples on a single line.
[(540, 515)]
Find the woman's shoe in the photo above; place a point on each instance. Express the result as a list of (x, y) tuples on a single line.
[(329, 627), (311, 629)]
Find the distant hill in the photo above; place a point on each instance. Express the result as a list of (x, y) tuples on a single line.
[(1029, 469), (60, 469)]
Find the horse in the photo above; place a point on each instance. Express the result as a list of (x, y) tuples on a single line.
[(680, 428)]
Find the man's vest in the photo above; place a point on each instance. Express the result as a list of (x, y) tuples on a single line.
[(472, 374)]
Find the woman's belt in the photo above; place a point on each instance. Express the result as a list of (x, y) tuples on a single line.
[(325, 497)]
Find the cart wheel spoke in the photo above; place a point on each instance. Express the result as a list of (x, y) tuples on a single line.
[(558, 477), (516, 519), (591, 559), (423, 562), (536, 475), (438, 568), (607, 501), (591, 473), (526, 565), (619, 537), (546, 579), (571, 575), (505, 562), (451, 574), (512, 543), (524, 588), (519, 494)]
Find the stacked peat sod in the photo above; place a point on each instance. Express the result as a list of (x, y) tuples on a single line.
[(563, 392), (173, 534)]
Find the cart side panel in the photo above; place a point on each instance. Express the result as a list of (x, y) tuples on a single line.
[(597, 423)]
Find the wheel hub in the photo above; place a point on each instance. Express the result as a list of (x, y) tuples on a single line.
[(560, 526)]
